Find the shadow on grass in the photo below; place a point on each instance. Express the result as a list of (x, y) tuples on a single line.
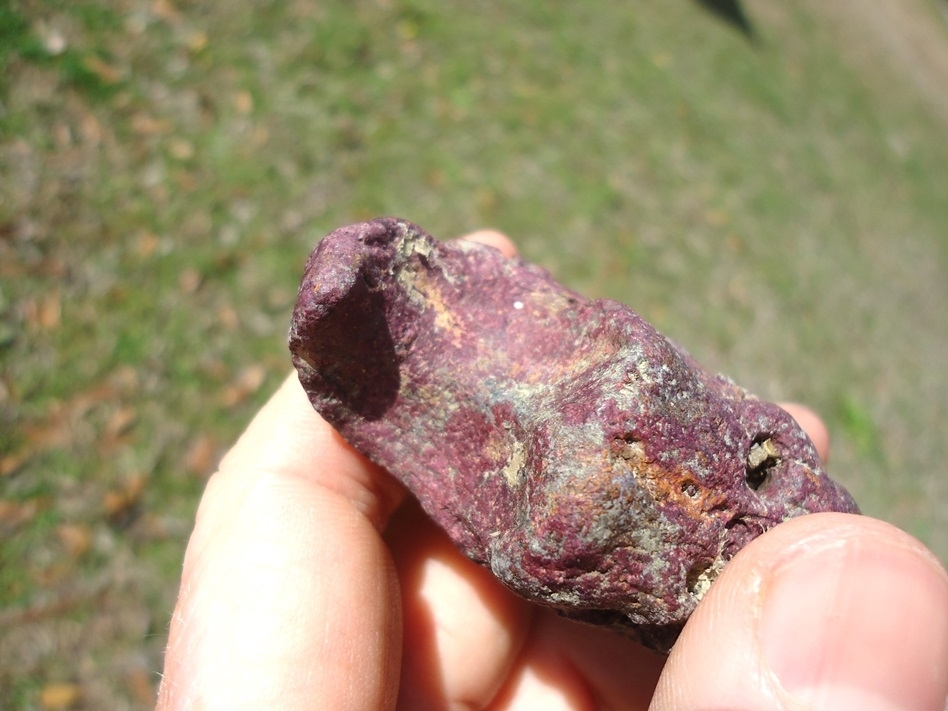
[(731, 12)]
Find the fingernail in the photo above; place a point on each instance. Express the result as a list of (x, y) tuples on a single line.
[(856, 626)]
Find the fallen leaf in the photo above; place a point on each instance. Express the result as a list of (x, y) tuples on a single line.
[(243, 102), (247, 383), (11, 463), (121, 421), (59, 695), (189, 280), (63, 135), (44, 313), (261, 135), (201, 457), (75, 538), (53, 574), (197, 41), (149, 527), (125, 379), (56, 429), (166, 11), (91, 128), (102, 69), (140, 684), (121, 504), (147, 244), (215, 368), (145, 125), (50, 311), (187, 180), (53, 266), (14, 514), (228, 317), (181, 148)]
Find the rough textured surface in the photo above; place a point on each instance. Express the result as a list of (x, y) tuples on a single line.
[(589, 462)]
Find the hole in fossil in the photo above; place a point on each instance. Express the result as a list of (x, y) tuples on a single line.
[(760, 460), (690, 489), (628, 447), (700, 577)]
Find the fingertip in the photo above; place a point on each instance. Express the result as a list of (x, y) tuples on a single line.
[(495, 239), (812, 424)]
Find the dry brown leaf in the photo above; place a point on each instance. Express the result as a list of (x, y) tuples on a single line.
[(115, 503), (197, 41), (261, 135), (147, 244), (53, 574), (56, 430), (43, 313), (60, 695), (247, 383), (50, 311), (166, 11), (215, 368), (11, 463), (14, 514), (145, 125), (102, 69), (63, 135), (150, 527), (75, 538), (140, 684), (243, 102), (189, 280), (181, 148), (125, 379), (120, 504), (187, 180), (121, 421), (91, 128), (53, 266), (201, 457), (228, 317)]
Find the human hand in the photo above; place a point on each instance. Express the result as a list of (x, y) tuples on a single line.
[(310, 582)]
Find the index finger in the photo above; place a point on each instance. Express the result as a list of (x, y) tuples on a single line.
[(288, 589)]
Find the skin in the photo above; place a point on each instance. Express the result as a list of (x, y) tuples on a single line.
[(311, 582)]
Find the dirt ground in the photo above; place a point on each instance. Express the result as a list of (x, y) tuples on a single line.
[(909, 37)]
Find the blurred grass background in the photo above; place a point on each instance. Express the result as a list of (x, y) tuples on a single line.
[(776, 203)]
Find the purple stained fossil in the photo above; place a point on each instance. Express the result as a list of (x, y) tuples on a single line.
[(564, 443)]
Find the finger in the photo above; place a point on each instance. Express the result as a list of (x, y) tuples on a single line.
[(575, 666), (288, 596), (462, 628), (812, 425), (493, 238), (827, 611)]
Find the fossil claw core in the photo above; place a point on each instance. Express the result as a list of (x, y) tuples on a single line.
[(564, 443)]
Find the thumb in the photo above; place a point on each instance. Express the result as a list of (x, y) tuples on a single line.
[(827, 612)]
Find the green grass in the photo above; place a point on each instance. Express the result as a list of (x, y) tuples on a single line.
[(774, 207)]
